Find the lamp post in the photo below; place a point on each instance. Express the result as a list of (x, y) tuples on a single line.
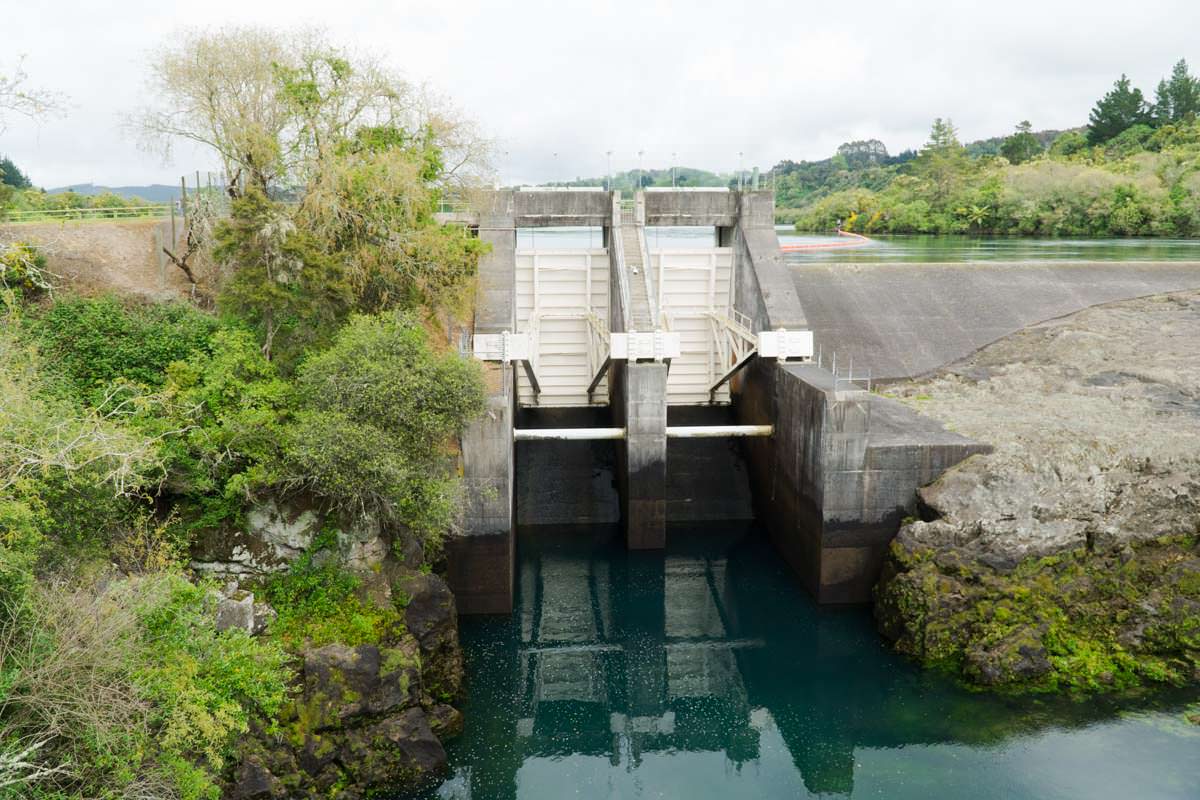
[(608, 169), (741, 170), (672, 169), (639, 180)]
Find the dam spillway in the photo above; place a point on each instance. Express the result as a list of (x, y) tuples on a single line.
[(630, 341)]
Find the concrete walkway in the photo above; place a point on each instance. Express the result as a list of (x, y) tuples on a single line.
[(901, 320)]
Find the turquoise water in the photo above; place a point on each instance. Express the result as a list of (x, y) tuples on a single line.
[(899, 248), (706, 672)]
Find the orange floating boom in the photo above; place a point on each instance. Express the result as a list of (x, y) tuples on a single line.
[(857, 240)]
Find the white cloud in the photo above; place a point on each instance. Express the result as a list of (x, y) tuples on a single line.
[(703, 80)]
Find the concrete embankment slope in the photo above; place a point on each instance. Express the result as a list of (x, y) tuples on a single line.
[(902, 320)]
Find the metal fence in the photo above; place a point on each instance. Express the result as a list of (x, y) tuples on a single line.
[(154, 211)]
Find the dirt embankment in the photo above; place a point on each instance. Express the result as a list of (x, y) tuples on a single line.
[(105, 255), (1068, 556)]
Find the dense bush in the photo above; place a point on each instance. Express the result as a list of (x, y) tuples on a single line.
[(380, 406), (23, 270), (65, 469), (319, 603), (1143, 182), (91, 342), (128, 690)]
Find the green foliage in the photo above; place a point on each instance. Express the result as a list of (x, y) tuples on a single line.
[(1177, 99), (372, 204), (380, 405), (1022, 145), (319, 603), (1129, 141), (282, 282), (23, 270), (93, 342), (70, 475), (1141, 183), (1122, 107), (231, 405), (11, 175), (131, 687), (1068, 144)]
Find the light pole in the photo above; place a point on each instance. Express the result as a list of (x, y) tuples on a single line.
[(672, 169), (608, 170), (639, 181), (741, 170)]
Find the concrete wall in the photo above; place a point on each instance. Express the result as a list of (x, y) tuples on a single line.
[(583, 208), (840, 474), (902, 320), (480, 560), (765, 291), (700, 207), (562, 483), (566, 482)]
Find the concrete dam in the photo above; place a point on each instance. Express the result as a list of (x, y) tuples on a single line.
[(655, 388)]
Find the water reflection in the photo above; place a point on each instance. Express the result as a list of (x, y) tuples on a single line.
[(705, 672)]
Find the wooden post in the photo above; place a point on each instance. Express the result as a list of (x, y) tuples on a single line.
[(182, 202)]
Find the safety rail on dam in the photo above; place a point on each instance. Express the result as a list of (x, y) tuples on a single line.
[(593, 351)]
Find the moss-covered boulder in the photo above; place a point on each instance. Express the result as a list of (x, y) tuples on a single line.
[(360, 721), (1082, 620)]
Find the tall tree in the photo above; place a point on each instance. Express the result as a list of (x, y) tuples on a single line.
[(1122, 107), (11, 175), (271, 103), (942, 160), (1022, 145), (18, 97), (1178, 98)]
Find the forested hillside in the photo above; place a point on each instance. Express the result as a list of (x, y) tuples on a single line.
[(1133, 171)]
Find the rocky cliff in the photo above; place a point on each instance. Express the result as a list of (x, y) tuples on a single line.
[(364, 718)]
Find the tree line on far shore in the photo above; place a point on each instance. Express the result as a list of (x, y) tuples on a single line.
[(1134, 170)]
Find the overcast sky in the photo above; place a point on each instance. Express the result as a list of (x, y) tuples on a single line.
[(703, 80)]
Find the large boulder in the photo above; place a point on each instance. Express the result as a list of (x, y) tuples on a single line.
[(279, 531), (360, 722), (431, 617)]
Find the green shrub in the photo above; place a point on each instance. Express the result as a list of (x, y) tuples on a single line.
[(381, 407), (230, 405), (318, 603), (23, 270), (92, 342), (129, 689)]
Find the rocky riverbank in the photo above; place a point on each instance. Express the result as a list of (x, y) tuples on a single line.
[(370, 707), (1069, 556)]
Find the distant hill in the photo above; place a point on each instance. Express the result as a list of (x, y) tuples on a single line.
[(154, 193)]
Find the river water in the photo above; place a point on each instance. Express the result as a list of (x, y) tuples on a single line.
[(707, 672), (900, 248)]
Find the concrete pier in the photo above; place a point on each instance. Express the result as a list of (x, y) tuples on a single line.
[(640, 406)]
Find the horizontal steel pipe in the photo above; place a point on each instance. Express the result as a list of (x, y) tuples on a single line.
[(536, 434), (673, 432), (711, 431)]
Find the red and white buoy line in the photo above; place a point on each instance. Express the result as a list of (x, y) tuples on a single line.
[(856, 240)]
